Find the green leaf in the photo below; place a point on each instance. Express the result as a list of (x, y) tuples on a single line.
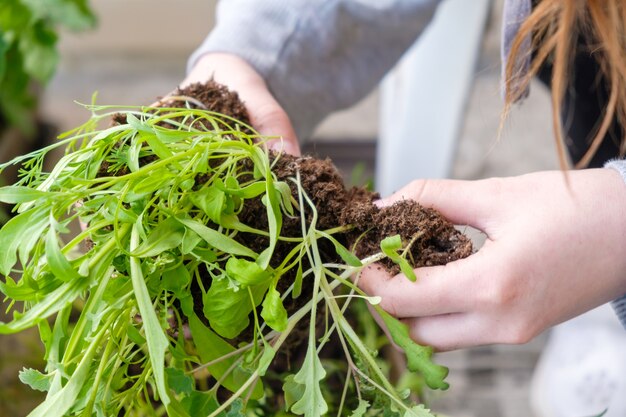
[(247, 273), (293, 391), (35, 379), (158, 181), (347, 256), (418, 357), (361, 409), (389, 246), (178, 381), (19, 232), (15, 194), (165, 236), (312, 403), (47, 306), (211, 347), (274, 312), (228, 310), (274, 215), (73, 14), (200, 403), (157, 341), (211, 200), (58, 405), (236, 409), (418, 411), (297, 283), (38, 46), (217, 239), (59, 265), (176, 280)]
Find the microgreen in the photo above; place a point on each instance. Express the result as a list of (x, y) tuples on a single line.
[(158, 306)]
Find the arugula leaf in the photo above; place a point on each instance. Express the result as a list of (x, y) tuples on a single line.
[(418, 357), (389, 246), (228, 310), (247, 273), (168, 234), (35, 379), (178, 381), (361, 409), (312, 403), (211, 347), (274, 312)]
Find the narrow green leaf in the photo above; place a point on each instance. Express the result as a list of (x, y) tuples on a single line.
[(157, 341), (165, 236), (274, 215), (347, 256), (59, 265), (15, 194), (297, 283), (217, 239), (46, 307), (158, 181), (418, 357)]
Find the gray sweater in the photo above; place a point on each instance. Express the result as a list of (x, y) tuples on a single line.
[(318, 56)]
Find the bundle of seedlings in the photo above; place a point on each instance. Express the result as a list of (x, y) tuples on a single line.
[(210, 276)]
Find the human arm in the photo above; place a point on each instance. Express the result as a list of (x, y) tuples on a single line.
[(619, 304), (314, 56), (553, 251)]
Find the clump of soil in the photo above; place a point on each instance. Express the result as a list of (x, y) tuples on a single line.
[(434, 240)]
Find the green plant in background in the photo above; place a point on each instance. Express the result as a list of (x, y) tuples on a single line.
[(143, 322), (28, 38)]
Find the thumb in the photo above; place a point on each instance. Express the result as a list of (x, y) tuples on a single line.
[(462, 202)]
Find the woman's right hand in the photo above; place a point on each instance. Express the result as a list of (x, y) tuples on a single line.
[(266, 115)]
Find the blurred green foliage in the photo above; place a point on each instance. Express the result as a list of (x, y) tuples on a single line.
[(28, 39)]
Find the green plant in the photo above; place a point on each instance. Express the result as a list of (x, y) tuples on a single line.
[(28, 37), (167, 312)]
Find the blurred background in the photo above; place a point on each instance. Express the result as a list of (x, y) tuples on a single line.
[(138, 52)]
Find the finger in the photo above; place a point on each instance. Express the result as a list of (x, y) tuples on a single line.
[(269, 119), (438, 290), (462, 202), (451, 331)]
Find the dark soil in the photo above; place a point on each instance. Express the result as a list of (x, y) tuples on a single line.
[(437, 242)]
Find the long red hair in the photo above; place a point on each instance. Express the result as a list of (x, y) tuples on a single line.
[(553, 27)]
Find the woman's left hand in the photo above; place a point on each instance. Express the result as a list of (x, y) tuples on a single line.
[(553, 251)]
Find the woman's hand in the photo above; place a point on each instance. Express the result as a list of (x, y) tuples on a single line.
[(551, 253), (266, 115)]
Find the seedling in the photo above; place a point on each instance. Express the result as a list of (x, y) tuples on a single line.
[(160, 305)]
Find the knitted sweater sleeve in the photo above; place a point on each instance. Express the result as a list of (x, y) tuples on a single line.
[(317, 56), (620, 304)]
